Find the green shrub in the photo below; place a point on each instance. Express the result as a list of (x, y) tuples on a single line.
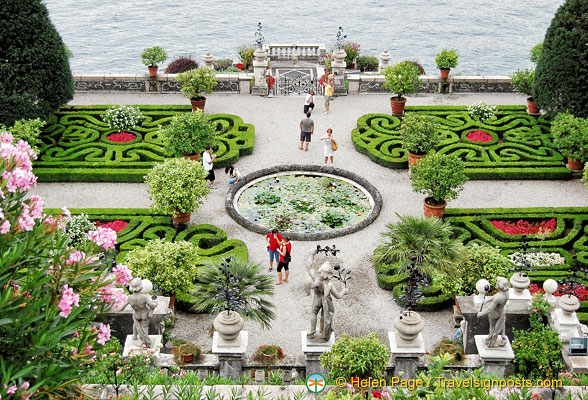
[(419, 133), (181, 64), (570, 136), (153, 56), (197, 81), (189, 133), (522, 80), (446, 59), (402, 78), (246, 55), (367, 63), (561, 77), (35, 77), (361, 357), (222, 64), (439, 176), (536, 53), (27, 130)]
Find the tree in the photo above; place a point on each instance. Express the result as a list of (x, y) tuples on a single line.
[(35, 77), (561, 77)]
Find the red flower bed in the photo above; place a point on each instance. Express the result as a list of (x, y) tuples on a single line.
[(579, 291), (522, 227), (479, 136), (117, 225), (241, 66), (121, 137)]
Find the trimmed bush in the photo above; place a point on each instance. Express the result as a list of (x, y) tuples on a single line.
[(181, 64), (439, 176), (222, 64), (570, 136), (35, 77), (367, 63), (446, 59)]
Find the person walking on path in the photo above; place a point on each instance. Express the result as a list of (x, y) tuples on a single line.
[(309, 102), (328, 145), (234, 174), (332, 78), (273, 240), (306, 131), (208, 163), (285, 258), (329, 92)]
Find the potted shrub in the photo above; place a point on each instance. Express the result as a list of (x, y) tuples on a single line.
[(441, 178), (446, 59), (189, 133), (419, 136), (195, 82), (351, 53), (189, 352), (152, 57), (401, 78), (570, 136), (235, 288), (177, 187), (269, 354), (246, 56), (176, 343), (522, 80)]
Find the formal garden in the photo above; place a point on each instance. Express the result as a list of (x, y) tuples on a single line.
[(165, 293)]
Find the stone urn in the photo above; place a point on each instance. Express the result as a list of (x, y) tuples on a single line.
[(569, 304), (408, 326), (228, 324), (519, 282)]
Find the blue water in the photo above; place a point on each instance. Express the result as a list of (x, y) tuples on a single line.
[(493, 37)]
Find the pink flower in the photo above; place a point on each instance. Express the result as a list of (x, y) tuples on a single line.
[(25, 385), (66, 212), (5, 227), (11, 389), (36, 207), (103, 334), (119, 298), (123, 275), (69, 299), (75, 257), (104, 237)]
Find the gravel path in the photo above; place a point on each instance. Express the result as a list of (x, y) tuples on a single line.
[(367, 308)]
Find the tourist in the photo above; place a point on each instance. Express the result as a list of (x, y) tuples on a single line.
[(329, 92), (306, 131), (332, 78), (273, 240), (234, 174), (285, 258), (309, 102), (328, 145), (208, 163), (323, 81)]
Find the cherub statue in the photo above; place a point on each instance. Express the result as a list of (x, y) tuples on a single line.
[(496, 314), (143, 307), (322, 302)]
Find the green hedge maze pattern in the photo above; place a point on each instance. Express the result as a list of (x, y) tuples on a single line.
[(473, 226), (76, 149), (521, 148)]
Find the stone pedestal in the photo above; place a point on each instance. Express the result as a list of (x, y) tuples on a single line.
[(230, 354), (494, 359), (518, 300), (338, 65), (136, 346), (260, 87), (208, 60), (385, 57), (406, 358), (312, 350), (566, 324)]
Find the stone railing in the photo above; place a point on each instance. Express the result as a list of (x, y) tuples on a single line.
[(295, 51)]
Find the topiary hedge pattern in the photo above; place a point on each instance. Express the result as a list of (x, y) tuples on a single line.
[(76, 149), (521, 148), (145, 225)]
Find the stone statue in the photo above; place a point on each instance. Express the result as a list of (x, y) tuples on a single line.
[(143, 307), (322, 302), (496, 314)]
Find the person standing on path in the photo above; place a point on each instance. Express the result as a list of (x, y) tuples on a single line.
[(273, 240), (329, 92), (208, 163), (285, 258), (332, 78), (328, 145), (306, 131), (309, 102)]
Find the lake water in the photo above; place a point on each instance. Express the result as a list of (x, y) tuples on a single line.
[(493, 37)]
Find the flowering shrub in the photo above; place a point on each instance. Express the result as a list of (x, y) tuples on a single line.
[(122, 117), (351, 51), (246, 56), (580, 291), (481, 111), (116, 226), (538, 259), (522, 227), (479, 136), (121, 137), (50, 292), (327, 60), (77, 228)]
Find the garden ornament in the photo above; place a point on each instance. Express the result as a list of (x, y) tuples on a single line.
[(496, 314), (143, 307)]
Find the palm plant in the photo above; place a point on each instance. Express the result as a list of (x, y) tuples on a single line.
[(424, 243), (235, 285)]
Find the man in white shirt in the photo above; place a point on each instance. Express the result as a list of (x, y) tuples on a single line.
[(309, 102), (208, 163)]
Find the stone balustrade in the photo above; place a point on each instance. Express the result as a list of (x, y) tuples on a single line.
[(295, 51)]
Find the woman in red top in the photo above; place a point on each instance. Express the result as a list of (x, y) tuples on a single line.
[(284, 250), (273, 241)]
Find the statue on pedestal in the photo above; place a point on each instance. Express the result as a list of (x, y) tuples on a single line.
[(496, 314), (143, 307), (324, 291)]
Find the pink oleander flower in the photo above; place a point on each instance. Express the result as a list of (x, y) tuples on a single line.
[(25, 385), (1, 213), (5, 227), (123, 274), (11, 389), (36, 207), (25, 220), (69, 299), (103, 334), (104, 237), (119, 298), (75, 257), (66, 212)]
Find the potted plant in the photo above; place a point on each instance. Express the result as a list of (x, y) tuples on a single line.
[(446, 59), (246, 56), (522, 80), (441, 178), (401, 78), (269, 353), (235, 288), (177, 187), (195, 82), (189, 352), (480, 112), (176, 343), (152, 57), (419, 135), (570, 136), (188, 134)]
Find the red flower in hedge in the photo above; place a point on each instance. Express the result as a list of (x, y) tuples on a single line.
[(241, 66), (121, 137), (522, 227), (479, 136), (116, 226), (376, 394), (580, 291)]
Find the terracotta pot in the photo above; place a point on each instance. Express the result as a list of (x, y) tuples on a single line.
[(181, 218), (228, 325), (152, 71), (194, 157), (413, 159), (187, 358), (198, 103), (397, 105), (574, 164), (531, 106), (432, 210), (445, 73), (269, 358), (172, 301)]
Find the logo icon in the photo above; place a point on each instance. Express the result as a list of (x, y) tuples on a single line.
[(315, 383)]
